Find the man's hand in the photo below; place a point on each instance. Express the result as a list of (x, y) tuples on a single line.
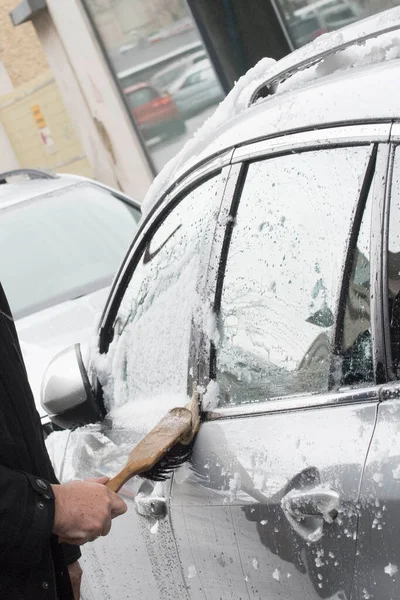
[(84, 510), (75, 575)]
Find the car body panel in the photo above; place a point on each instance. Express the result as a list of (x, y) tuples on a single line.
[(227, 508)]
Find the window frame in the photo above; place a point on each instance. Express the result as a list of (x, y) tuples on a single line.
[(333, 137), (382, 283)]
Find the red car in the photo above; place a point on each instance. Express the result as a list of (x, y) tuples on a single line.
[(156, 114)]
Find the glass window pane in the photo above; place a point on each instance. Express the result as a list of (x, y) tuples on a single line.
[(283, 274), (62, 245), (152, 329), (307, 20), (394, 266), (356, 366), (153, 46)]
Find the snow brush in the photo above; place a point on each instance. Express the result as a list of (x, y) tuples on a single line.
[(168, 445)]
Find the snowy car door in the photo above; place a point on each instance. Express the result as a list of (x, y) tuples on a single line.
[(267, 508), (378, 559), (143, 371)]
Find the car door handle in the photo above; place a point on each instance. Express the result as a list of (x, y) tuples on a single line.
[(151, 506), (316, 502)]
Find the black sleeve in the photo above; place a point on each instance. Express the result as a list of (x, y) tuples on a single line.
[(26, 518)]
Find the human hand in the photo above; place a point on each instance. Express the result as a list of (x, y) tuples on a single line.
[(84, 509), (75, 575)]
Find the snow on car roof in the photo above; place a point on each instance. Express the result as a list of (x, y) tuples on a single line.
[(24, 190), (305, 108)]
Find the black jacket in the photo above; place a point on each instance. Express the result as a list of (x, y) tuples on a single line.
[(32, 562)]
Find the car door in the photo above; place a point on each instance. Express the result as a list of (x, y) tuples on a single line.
[(378, 556), (267, 506), (140, 369)]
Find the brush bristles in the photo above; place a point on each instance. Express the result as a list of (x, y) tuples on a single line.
[(177, 456)]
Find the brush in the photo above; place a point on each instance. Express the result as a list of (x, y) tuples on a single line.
[(168, 445)]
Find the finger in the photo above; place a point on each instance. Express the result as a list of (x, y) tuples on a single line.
[(103, 480), (106, 528), (118, 506)]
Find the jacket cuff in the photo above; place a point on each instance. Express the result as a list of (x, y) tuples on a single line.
[(71, 553), (37, 529)]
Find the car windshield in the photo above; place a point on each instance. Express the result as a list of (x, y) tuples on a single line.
[(62, 245), (140, 97)]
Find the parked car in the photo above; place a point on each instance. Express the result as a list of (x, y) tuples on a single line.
[(322, 16), (155, 113), (164, 78), (266, 274), (61, 240), (197, 89)]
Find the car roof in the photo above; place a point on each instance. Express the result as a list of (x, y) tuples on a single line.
[(22, 190), (302, 94), (136, 87)]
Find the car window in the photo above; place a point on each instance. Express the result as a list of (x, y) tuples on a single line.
[(356, 364), (62, 245), (141, 96), (148, 357), (393, 265), (283, 274), (192, 80)]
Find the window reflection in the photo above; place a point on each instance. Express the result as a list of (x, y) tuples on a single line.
[(163, 69), (306, 20)]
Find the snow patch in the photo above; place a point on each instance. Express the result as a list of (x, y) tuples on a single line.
[(276, 574), (192, 572), (210, 398), (391, 570)]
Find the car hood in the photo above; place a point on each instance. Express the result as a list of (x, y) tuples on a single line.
[(43, 334)]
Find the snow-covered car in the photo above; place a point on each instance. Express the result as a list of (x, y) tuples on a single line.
[(265, 273), (62, 239)]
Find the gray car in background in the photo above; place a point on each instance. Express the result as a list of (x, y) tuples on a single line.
[(266, 273), (196, 89)]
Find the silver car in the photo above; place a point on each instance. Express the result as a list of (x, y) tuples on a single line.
[(266, 272), (62, 239), (197, 89)]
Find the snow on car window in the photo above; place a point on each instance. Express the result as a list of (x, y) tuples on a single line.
[(148, 358), (283, 273)]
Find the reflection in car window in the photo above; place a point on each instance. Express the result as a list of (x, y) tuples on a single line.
[(141, 96), (393, 263), (283, 274), (150, 350), (62, 245), (356, 366)]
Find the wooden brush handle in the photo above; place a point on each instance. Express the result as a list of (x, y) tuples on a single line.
[(173, 427)]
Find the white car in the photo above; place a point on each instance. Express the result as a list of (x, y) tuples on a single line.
[(62, 238)]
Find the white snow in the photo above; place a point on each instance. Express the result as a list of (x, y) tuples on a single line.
[(210, 398), (255, 563), (378, 478), (154, 528), (276, 574), (391, 570), (396, 472), (192, 572), (382, 49), (235, 102)]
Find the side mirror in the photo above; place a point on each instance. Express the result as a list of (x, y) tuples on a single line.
[(66, 392)]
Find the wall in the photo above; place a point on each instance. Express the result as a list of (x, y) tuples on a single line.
[(20, 50), (42, 137)]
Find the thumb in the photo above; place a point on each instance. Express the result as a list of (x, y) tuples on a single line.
[(103, 480)]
